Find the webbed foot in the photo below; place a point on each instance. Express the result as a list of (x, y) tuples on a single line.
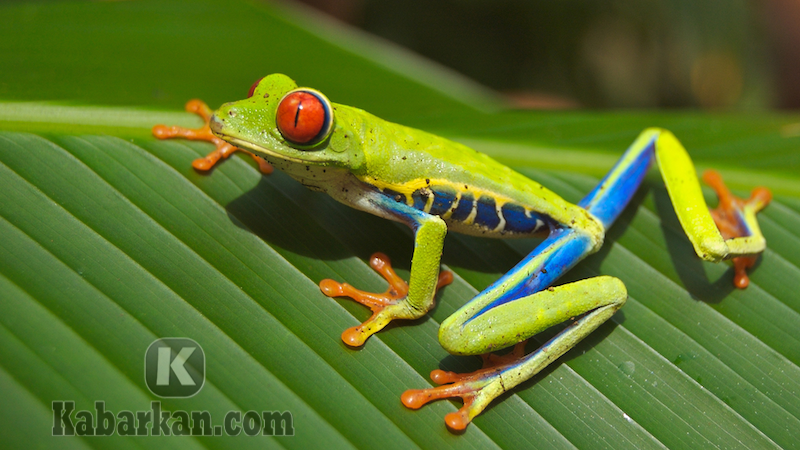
[(385, 307), (477, 389), (731, 217), (204, 133)]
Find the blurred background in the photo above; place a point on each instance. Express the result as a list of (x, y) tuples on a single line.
[(710, 54)]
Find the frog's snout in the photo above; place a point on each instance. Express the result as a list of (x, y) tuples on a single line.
[(216, 124)]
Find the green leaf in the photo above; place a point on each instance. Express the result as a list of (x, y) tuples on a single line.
[(111, 240)]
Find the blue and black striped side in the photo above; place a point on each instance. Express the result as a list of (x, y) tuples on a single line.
[(443, 200), (518, 221)]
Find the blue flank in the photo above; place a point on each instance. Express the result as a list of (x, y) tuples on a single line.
[(518, 222), (443, 199), (487, 213), (464, 207), (419, 200)]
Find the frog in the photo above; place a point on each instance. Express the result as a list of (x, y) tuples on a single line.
[(435, 185)]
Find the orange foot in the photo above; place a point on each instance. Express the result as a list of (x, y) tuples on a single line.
[(385, 307), (223, 149), (729, 217), (477, 388)]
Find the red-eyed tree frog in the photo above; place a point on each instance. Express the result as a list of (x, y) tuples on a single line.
[(432, 184)]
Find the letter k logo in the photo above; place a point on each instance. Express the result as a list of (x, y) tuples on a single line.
[(174, 367), (164, 366)]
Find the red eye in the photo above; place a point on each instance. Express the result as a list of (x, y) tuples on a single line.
[(253, 87), (304, 117)]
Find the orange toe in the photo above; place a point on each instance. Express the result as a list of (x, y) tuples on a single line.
[(377, 302)]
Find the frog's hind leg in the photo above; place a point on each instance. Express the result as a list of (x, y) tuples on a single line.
[(222, 150), (603, 296), (513, 309), (729, 232)]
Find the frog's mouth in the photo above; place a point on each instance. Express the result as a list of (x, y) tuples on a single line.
[(218, 128)]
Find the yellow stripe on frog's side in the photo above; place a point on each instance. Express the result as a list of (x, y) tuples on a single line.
[(453, 207), (412, 186), (498, 208)]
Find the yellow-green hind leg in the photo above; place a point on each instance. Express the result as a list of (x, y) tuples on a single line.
[(729, 232), (595, 299)]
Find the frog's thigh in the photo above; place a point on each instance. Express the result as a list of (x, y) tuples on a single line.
[(520, 319)]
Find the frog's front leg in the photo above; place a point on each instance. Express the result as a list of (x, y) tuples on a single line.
[(402, 300)]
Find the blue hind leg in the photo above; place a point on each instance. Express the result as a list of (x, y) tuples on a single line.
[(616, 190)]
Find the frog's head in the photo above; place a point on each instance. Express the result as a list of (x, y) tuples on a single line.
[(289, 126)]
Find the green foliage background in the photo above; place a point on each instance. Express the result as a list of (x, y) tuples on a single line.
[(109, 240)]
